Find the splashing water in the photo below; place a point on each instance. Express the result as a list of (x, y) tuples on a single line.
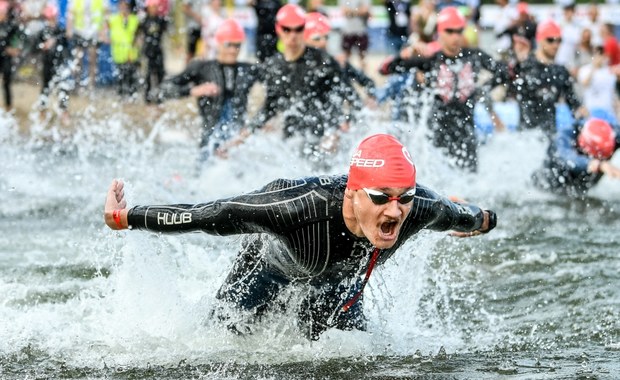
[(538, 296)]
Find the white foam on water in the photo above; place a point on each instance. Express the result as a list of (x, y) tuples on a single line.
[(154, 307)]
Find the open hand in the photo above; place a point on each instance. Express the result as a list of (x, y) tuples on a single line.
[(115, 201)]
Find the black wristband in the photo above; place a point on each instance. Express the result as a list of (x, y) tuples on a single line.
[(492, 221)]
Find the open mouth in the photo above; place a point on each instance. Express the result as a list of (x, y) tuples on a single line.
[(388, 229)]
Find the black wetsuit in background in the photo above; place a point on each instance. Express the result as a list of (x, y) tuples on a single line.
[(300, 238), (225, 112), (454, 85), (307, 92), (266, 38), (350, 76), (538, 87), (565, 168), (55, 63), (9, 32), (153, 29)]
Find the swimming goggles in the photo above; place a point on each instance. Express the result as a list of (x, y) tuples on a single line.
[(380, 198)]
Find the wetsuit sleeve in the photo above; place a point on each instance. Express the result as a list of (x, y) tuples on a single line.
[(399, 65), (180, 85), (440, 214), (217, 218), (277, 208), (268, 110), (362, 79), (568, 84), (500, 70), (566, 151)]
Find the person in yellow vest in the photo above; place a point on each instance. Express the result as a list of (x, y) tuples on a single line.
[(123, 27), (84, 29)]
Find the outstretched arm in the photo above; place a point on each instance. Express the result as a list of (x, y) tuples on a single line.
[(115, 209), (441, 214)]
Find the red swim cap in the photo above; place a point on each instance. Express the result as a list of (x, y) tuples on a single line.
[(450, 18), (597, 139), (50, 11), (381, 161), (548, 29), (316, 23), (290, 15), (229, 31)]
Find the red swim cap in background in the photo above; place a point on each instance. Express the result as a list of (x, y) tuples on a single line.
[(229, 31), (316, 23), (290, 15), (381, 161), (50, 11), (597, 139), (548, 29), (523, 8), (450, 18)]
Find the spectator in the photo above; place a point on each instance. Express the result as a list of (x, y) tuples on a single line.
[(571, 35), (212, 17), (193, 23), (599, 87), (355, 28), (610, 44), (123, 27), (594, 23), (584, 53), (507, 17), (424, 21), (85, 23)]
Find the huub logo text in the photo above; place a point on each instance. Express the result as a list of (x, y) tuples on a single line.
[(360, 162), (169, 219)]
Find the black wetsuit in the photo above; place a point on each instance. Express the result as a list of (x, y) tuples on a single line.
[(9, 32), (565, 168), (300, 238), (454, 83), (223, 114), (153, 29), (266, 38), (538, 87), (54, 60), (350, 76), (399, 12), (306, 91)]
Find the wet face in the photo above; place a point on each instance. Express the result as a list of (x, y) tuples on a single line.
[(380, 223), (549, 46), (228, 52), (318, 41), (451, 41), (292, 37)]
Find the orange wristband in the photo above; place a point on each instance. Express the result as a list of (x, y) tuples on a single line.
[(116, 214)]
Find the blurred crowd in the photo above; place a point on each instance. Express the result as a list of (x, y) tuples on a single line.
[(315, 89)]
